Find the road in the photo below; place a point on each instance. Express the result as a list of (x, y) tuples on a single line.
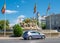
[(47, 40)]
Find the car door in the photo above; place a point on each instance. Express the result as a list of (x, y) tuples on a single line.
[(35, 35)]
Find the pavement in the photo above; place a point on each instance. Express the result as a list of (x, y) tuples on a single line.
[(21, 37), (11, 38)]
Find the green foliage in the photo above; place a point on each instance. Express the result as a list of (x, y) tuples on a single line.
[(38, 23), (17, 30), (2, 24), (27, 20), (43, 25)]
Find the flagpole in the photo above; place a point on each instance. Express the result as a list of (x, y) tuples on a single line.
[(50, 25), (5, 21), (49, 18), (35, 14), (5, 25)]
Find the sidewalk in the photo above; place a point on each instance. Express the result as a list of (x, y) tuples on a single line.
[(11, 38), (19, 38)]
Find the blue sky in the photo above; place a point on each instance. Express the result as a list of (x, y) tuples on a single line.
[(17, 8)]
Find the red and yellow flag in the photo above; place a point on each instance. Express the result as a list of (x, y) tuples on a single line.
[(35, 8), (3, 8)]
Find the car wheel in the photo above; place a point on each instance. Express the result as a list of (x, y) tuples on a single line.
[(29, 38), (43, 37)]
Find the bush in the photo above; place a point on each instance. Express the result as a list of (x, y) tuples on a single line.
[(43, 25), (17, 30)]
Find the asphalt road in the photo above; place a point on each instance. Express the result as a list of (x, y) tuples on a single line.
[(47, 40)]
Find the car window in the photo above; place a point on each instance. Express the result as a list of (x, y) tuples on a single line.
[(35, 33)]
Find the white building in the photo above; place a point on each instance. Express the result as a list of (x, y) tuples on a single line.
[(42, 19)]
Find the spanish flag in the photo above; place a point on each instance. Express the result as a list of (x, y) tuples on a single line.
[(3, 8), (35, 8)]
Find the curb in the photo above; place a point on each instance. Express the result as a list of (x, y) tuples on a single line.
[(11, 38), (22, 38)]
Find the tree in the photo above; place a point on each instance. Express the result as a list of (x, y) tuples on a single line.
[(27, 20), (17, 30), (43, 25), (2, 22)]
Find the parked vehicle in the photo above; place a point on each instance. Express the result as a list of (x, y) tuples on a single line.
[(33, 35)]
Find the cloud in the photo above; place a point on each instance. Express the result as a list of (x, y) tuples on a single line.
[(20, 18), (10, 11)]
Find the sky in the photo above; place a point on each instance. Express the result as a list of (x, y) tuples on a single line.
[(24, 8)]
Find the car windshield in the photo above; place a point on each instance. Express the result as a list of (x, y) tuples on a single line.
[(26, 32)]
